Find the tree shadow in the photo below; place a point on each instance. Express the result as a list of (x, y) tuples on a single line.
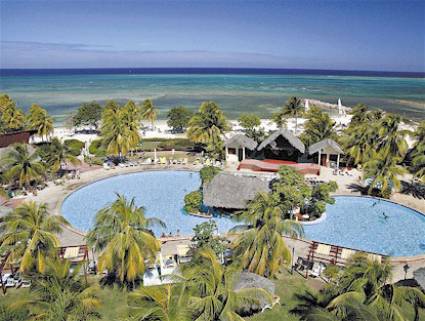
[(358, 188), (364, 190), (415, 189)]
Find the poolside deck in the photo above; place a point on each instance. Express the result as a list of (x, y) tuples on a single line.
[(272, 165)]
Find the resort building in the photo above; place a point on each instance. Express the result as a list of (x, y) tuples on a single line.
[(326, 151), (281, 148), (238, 147), (8, 139)]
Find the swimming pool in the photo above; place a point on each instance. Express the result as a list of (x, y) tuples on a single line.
[(161, 193), (371, 224), (361, 223)]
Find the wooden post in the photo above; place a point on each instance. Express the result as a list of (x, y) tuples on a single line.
[(227, 152), (337, 162), (327, 160), (85, 264), (320, 156), (243, 153)]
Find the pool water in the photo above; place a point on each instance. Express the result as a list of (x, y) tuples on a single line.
[(371, 224), (161, 193), (360, 223)]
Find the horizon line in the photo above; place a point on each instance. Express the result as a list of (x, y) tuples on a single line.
[(420, 74)]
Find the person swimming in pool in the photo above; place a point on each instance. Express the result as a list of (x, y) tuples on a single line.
[(385, 215)]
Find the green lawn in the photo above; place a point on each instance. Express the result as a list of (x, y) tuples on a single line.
[(287, 286)]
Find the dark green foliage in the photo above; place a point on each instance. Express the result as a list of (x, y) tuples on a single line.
[(193, 202), (204, 237), (8, 313), (291, 190), (362, 292), (320, 196), (96, 148), (88, 115), (178, 118), (182, 144), (207, 173), (74, 146)]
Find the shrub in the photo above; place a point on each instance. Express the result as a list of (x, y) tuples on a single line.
[(193, 202), (74, 146), (96, 148), (207, 173), (331, 271)]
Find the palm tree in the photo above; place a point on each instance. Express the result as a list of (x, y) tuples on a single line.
[(115, 132), (362, 292), (13, 118), (214, 297), (384, 172), (30, 236), (121, 232), (5, 101), (62, 295), (39, 120), (56, 154), (319, 126), (392, 138), (293, 108), (21, 166), (261, 248), (279, 119), (418, 152), (133, 117), (149, 112), (208, 126), (359, 114), (160, 303)]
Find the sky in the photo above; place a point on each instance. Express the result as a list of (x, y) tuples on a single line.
[(381, 35)]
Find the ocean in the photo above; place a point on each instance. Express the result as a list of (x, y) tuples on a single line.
[(262, 91)]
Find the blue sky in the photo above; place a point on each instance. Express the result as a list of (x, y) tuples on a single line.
[(353, 35)]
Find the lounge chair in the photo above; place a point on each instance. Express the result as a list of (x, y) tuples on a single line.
[(184, 161), (106, 166), (317, 269)]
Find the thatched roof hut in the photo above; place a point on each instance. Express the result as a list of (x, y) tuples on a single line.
[(233, 191), (326, 146), (240, 141), (248, 280), (293, 140), (252, 280)]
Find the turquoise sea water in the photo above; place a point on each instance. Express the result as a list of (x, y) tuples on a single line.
[(236, 93)]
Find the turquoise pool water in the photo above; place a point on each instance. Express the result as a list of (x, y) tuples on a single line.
[(356, 222), (371, 224), (161, 193)]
